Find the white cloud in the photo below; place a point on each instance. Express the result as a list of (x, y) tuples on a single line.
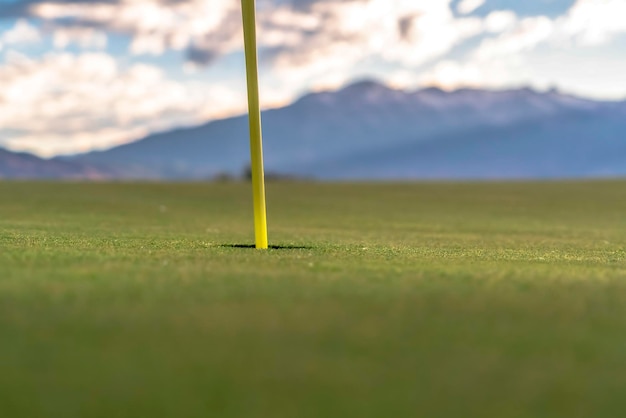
[(337, 36), (594, 22), (588, 23), (21, 33), (500, 21), (510, 57), (407, 31), (524, 36), (468, 6), (86, 38), (303, 34), (66, 103), (154, 26)]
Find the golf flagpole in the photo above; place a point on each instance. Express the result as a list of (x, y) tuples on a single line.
[(254, 112)]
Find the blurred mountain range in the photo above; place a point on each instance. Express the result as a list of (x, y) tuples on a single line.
[(370, 131), (15, 165)]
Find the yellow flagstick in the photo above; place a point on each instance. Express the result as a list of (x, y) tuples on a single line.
[(254, 111)]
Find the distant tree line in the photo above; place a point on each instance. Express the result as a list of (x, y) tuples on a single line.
[(246, 175)]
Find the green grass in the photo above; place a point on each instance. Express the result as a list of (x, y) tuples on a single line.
[(406, 300)]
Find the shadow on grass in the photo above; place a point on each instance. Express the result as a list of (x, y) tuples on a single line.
[(271, 247)]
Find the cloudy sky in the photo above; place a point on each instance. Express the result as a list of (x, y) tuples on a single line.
[(77, 75)]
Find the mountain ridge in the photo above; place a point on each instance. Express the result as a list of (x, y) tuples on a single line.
[(320, 132), (21, 165)]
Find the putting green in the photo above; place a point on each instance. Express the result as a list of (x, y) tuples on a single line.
[(433, 300)]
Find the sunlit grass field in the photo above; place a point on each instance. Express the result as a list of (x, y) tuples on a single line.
[(378, 300)]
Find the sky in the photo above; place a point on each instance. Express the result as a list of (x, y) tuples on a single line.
[(79, 75)]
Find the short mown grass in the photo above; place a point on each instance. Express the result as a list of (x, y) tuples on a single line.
[(377, 300)]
